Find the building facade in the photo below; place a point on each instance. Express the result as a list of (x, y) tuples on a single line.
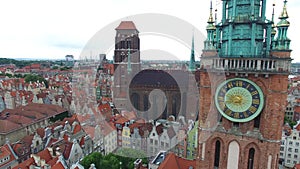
[(290, 147), (126, 61), (243, 87)]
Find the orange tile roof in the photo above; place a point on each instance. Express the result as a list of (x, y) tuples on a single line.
[(25, 164), (121, 120), (298, 127), (77, 128), (90, 131), (130, 115), (107, 128), (129, 25), (65, 148), (6, 126), (159, 129), (6, 151), (174, 162), (81, 143), (58, 166), (26, 115), (296, 166), (53, 161), (297, 108), (41, 132), (45, 154)]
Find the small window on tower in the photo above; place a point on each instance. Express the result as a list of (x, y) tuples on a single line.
[(236, 124), (257, 122), (128, 44), (122, 44)]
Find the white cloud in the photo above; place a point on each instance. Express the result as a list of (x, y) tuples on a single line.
[(56, 28)]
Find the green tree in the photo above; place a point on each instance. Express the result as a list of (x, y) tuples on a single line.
[(110, 161), (8, 75), (35, 78), (290, 122), (93, 158)]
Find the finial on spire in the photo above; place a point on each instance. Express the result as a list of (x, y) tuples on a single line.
[(273, 24), (210, 19), (216, 14), (284, 14), (273, 13)]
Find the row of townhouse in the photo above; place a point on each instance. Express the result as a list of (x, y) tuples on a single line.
[(290, 146), (65, 138), (16, 92)]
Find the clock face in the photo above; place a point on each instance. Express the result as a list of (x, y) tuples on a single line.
[(239, 100)]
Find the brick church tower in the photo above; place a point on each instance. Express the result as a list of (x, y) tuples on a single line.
[(126, 62), (243, 87)]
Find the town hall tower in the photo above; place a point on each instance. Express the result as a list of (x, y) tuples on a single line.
[(243, 87)]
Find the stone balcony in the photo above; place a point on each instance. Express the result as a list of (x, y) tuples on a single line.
[(247, 65)]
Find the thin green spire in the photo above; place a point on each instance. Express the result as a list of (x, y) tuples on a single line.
[(192, 58)]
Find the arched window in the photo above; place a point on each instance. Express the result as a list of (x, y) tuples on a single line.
[(257, 122), (135, 100), (146, 103), (251, 158), (217, 154), (174, 106), (226, 7)]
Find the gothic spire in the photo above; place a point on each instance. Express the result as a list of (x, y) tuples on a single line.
[(211, 30), (192, 58), (283, 42), (273, 31)]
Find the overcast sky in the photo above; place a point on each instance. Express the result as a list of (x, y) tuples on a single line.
[(53, 29)]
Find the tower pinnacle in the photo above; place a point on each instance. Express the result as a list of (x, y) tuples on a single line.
[(283, 42), (210, 19), (192, 58), (284, 13), (211, 29)]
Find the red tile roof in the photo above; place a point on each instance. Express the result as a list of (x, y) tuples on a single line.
[(77, 128), (90, 131), (6, 126), (26, 115), (25, 164), (27, 139), (81, 143), (6, 151), (297, 109), (45, 154), (58, 166), (65, 148), (53, 161), (298, 127), (41, 132), (121, 120), (159, 129), (297, 166), (107, 128), (174, 162), (126, 25), (130, 115)]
